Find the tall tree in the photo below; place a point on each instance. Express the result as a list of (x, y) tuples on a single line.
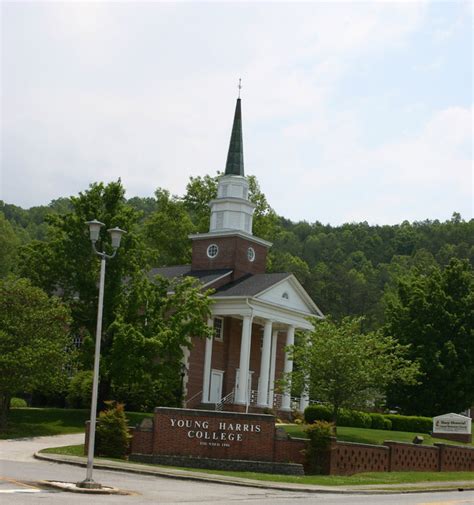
[(167, 229), (155, 322), (434, 312), (66, 265), (33, 341), (347, 368)]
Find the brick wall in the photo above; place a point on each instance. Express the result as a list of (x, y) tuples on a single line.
[(290, 450), (347, 458), (455, 458), (232, 254), (179, 432), (406, 457), (167, 438)]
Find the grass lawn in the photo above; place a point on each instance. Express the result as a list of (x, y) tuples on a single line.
[(367, 436), (31, 422), (322, 480)]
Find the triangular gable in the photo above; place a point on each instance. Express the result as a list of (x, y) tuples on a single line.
[(290, 293)]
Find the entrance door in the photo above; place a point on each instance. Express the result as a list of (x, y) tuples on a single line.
[(215, 395)]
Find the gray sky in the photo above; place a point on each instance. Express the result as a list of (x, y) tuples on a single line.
[(351, 111)]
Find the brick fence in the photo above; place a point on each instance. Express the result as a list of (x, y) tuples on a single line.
[(220, 439)]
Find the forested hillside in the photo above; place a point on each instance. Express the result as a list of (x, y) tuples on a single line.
[(348, 270)]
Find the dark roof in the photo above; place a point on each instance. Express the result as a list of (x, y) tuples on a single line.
[(205, 276), (235, 156), (251, 285)]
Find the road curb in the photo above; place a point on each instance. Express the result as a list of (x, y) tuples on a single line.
[(236, 481)]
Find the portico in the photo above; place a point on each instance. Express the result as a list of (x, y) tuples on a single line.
[(265, 329)]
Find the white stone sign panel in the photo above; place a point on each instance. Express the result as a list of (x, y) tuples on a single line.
[(452, 423)]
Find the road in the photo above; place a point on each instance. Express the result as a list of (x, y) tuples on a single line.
[(19, 472)]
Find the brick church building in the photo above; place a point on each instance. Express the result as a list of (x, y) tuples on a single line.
[(254, 313)]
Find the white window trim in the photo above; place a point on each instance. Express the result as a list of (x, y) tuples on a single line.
[(251, 254), (220, 337), (208, 249)]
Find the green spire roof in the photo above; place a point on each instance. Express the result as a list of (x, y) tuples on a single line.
[(235, 156)]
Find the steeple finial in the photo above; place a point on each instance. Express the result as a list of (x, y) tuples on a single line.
[(235, 156)]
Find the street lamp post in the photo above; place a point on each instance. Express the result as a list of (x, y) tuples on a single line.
[(116, 235)]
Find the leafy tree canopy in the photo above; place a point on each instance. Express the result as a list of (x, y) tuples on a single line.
[(433, 310), (33, 341), (347, 368)]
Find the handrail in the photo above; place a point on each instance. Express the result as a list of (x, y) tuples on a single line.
[(224, 400), (194, 396)]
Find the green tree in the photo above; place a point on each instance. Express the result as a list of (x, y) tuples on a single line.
[(156, 320), (347, 368), (65, 264), (433, 310), (167, 229), (9, 243), (33, 341)]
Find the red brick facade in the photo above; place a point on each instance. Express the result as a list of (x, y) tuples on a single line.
[(226, 357), (232, 254)]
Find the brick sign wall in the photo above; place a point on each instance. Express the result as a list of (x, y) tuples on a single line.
[(209, 434)]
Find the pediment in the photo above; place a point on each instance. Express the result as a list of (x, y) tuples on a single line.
[(289, 293)]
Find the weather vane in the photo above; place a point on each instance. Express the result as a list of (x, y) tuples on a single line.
[(240, 86)]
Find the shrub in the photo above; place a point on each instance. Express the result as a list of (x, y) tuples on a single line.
[(387, 424), (317, 412), (80, 390), (410, 423), (378, 421), (112, 437), (354, 418), (18, 403), (319, 434)]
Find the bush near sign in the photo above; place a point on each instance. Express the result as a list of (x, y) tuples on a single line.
[(453, 427)]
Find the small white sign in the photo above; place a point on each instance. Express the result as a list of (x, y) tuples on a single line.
[(452, 423)]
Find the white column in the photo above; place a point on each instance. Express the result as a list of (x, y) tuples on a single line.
[(241, 391), (262, 398), (273, 367), (288, 368), (304, 400), (206, 378)]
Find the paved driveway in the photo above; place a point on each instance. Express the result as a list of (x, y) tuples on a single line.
[(22, 449)]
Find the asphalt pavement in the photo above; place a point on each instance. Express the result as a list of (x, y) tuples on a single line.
[(21, 477)]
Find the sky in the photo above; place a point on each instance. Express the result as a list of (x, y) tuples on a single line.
[(352, 111)]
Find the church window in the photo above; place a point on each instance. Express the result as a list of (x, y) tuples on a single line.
[(219, 329), (251, 254), (212, 251), (219, 219)]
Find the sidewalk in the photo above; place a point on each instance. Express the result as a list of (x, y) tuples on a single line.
[(174, 473)]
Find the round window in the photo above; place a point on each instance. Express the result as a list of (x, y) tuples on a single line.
[(212, 251), (250, 253)]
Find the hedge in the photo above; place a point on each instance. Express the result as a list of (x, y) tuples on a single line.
[(410, 423), (357, 419)]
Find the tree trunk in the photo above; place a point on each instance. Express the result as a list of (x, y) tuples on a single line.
[(4, 409)]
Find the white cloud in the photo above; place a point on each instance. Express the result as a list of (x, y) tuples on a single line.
[(142, 91)]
